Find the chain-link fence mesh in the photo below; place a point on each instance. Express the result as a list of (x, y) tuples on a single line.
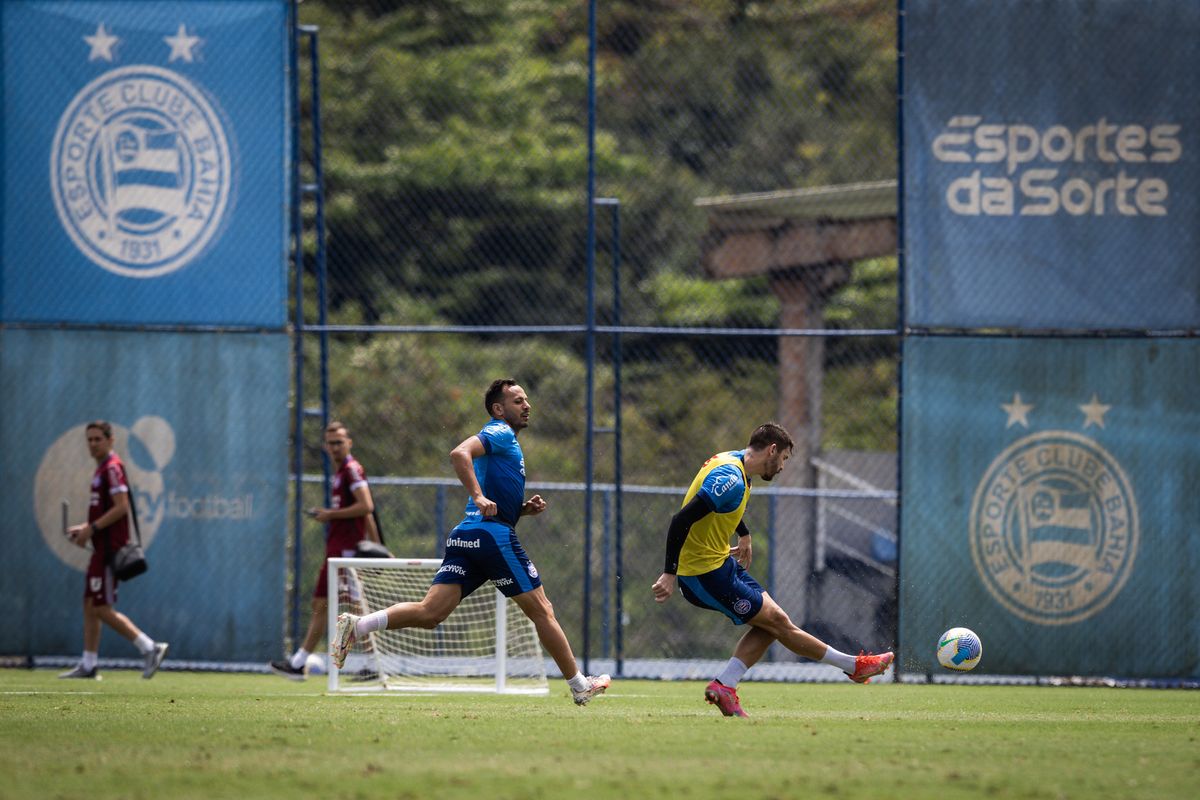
[(456, 156), (1050, 362), (143, 272)]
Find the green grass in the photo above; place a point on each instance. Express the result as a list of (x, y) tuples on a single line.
[(248, 736)]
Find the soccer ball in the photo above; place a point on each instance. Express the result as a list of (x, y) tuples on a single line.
[(316, 664), (959, 649)]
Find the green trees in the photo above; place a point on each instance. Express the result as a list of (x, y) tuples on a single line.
[(456, 155)]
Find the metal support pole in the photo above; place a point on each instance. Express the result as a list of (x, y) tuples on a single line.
[(298, 334), (619, 544), (317, 190), (591, 336)]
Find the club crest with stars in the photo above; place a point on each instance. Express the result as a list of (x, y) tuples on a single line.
[(140, 164), (1054, 521)]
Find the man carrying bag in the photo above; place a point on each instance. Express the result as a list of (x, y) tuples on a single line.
[(113, 556)]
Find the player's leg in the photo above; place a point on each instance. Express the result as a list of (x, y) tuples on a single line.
[(775, 621), (429, 612), (753, 646), (91, 644), (152, 652), (538, 608), (730, 590), (508, 566), (98, 587), (91, 626), (296, 667), (515, 575)]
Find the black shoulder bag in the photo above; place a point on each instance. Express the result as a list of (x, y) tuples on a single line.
[(368, 549), (130, 561)]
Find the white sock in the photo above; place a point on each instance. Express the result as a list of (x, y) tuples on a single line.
[(839, 659), (299, 658), (90, 657), (732, 673), (579, 682), (376, 621), (144, 643)]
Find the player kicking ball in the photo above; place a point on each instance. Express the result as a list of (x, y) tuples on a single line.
[(484, 546), (712, 575)]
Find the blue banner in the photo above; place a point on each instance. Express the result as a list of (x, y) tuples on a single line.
[(201, 422), (1052, 164), (1050, 504), (145, 150)]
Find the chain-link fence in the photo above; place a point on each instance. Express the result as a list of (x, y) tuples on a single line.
[(745, 271), (143, 273), (1050, 363)]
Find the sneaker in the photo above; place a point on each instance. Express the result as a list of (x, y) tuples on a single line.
[(342, 639), (154, 658), (866, 666), (725, 698), (284, 667), (595, 686), (92, 674)]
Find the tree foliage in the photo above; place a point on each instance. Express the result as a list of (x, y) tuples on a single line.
[(455, 159)]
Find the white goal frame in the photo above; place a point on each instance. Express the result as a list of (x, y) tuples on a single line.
[(501, 685)]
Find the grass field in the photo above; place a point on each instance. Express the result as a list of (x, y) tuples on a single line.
[(248, 736)]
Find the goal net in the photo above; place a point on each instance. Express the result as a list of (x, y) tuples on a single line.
[(487, 644)]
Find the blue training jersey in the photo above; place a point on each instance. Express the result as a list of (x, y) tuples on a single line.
[(500, 472)]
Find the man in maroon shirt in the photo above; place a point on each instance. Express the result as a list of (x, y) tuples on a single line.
[(349, 522), (107, 529)]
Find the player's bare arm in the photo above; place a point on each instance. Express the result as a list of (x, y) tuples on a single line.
[(462, 459), (80, 534), (362, 506), (743, 551), (664, 587), (372, 532), (534, 505)]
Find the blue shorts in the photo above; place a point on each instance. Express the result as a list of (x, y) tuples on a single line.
[(483, 551), (728, 589)]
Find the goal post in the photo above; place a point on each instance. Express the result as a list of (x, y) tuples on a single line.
[(487, 644)]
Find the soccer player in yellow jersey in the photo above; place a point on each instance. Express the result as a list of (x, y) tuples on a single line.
[(711, 574)]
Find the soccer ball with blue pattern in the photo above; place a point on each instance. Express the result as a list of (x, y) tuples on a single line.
[(959, 649)]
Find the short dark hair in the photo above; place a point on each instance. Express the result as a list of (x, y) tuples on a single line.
[(495, 392), (334, 426), (770, 433), (102, 425)]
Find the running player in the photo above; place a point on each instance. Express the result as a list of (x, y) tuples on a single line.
[(484, 546)]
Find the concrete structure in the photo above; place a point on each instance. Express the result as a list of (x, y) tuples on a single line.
[(805, 241)]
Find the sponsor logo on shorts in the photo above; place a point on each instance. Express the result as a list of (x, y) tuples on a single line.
[(470, 544), (455, 568), (742, 607), (94, 584), (503, 582)]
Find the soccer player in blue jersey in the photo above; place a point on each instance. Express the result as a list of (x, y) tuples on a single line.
[(712, 575), (484, 546)]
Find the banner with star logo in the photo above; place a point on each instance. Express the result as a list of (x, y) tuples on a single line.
[(145, 157), (1050, 503)]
